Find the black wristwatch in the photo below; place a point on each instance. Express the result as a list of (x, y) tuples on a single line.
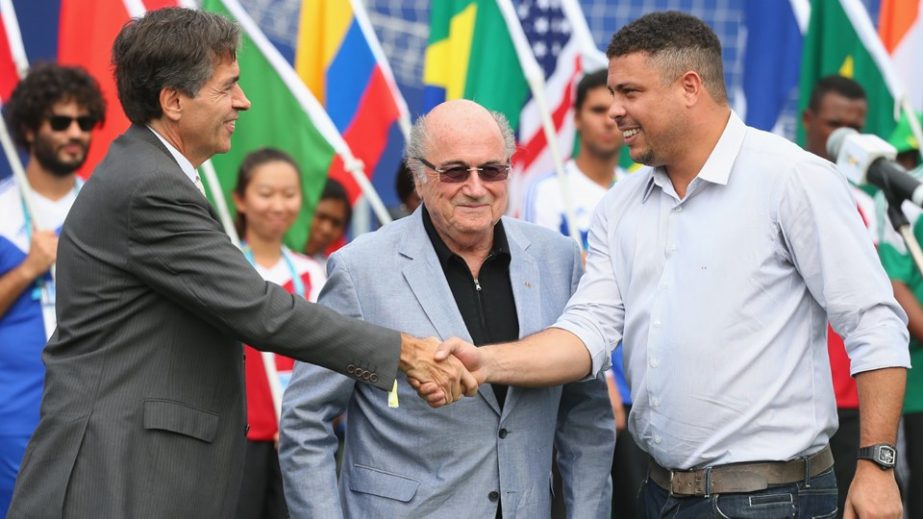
[(883, 454)]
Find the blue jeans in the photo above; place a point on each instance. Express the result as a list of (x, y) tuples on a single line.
[(817, 501)]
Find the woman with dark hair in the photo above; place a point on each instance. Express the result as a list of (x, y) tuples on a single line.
[(268, 198)]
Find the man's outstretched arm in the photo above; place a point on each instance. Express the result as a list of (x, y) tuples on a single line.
[(548, 358)]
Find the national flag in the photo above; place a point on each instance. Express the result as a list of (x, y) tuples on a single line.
[(9, 69), (842, 40), (471, 55), (284, 115), (772, 60), (87, 32), (338, 57), (900, 26)]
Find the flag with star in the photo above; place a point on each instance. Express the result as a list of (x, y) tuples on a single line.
[(841, 39), (471, 54)]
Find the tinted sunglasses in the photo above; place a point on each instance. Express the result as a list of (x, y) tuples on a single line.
[(59, 123), (454, 174)]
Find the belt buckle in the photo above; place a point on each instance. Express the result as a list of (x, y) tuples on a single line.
[(672, 494)]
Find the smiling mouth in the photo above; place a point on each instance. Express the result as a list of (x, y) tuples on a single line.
[(627, 134)]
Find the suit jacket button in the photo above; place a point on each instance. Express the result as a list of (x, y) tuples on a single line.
[(350, 369), (493, 496), (503, 433), (366, 376), (373, 378)]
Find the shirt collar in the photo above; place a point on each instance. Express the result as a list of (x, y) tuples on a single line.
[(718, 166), (181, 159), (501, 246)]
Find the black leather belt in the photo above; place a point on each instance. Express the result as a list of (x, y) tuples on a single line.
[(740, 477)]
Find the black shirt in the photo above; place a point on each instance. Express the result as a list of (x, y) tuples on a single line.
[(486, 303)]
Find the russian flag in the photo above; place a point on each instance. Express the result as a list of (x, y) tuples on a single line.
[(338, 57)]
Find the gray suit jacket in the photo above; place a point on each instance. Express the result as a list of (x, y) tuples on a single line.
[(143, 409), (415, 461)]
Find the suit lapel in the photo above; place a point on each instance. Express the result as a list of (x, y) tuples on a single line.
[(426, 280), (525, 279), (147, 135)]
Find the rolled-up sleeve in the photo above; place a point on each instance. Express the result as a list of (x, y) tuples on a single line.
[(835, 256)]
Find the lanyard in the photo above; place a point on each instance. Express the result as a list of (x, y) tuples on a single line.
[(297, 282)]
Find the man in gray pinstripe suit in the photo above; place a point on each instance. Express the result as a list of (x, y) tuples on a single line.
[(143, 410)]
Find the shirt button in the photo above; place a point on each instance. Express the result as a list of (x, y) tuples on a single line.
[(493, 496), (657, 323), (678, 209), (655, 401), (503, 433), (654, 363), (657, 438)]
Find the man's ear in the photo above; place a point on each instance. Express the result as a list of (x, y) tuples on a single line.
[(171, 103), (692, 85)]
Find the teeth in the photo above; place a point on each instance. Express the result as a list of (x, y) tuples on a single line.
[(630, 133)]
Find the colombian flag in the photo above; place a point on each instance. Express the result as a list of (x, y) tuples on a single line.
[(338, 58)]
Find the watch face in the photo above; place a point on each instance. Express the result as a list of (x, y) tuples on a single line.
[(887, 455)]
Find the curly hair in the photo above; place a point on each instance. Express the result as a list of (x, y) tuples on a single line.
[(678, 42), (47, 84), (169, 48)]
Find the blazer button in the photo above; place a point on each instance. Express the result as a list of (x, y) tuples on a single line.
[(373, 378), (493, 496), (350, 369), (366, 376), (503, 433)]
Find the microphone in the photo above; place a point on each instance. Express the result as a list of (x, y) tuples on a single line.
[(867, 159)]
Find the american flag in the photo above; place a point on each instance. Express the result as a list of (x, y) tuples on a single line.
[(562, 45)]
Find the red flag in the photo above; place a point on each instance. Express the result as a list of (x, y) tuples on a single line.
[(86, 37)]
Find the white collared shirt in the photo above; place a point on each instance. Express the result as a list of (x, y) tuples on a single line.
[(722, 299), (181, 159)]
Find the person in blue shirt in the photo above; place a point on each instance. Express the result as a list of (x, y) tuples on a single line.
[(50, 114)]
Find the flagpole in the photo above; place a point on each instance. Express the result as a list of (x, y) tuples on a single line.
[(221, 204), (14, 37), (536, 81)]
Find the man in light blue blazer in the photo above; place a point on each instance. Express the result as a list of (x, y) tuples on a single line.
[(452, 268)]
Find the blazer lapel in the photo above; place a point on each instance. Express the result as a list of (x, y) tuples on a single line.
[(525, 279), (426, 280)]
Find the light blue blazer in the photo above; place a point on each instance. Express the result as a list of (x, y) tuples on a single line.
[(415, 461)]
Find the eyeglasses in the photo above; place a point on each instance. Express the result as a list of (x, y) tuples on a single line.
[(455, 174), (59, 123)]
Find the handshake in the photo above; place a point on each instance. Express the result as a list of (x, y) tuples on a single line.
[(442, 373)]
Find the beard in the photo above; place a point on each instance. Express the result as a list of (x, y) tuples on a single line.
[(46, 155)]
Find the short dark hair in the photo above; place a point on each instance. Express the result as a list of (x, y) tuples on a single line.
[(680, 42), (251, 162), (591, 81), (169, 48), (45, 85), (835, 84), (334, 190)]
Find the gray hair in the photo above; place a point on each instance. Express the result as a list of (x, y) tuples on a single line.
[(417, 144), (169, 48)]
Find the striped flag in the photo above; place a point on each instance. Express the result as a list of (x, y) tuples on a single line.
[(900, 26), (842, 40), (284, 115), (338, 57), (470, 44)]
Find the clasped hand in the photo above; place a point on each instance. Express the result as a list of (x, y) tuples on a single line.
[(446, 371)]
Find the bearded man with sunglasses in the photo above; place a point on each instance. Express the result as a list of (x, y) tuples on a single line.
[(50, 115), (454, 267)]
